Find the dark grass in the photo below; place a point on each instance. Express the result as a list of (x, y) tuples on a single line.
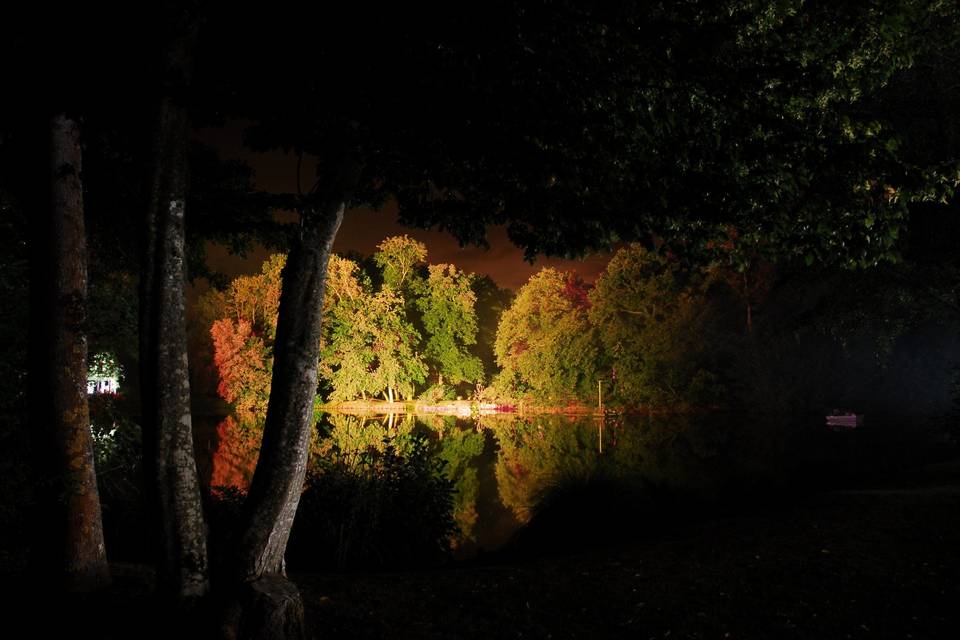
[(876, 561)]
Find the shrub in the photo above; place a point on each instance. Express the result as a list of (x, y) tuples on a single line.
[(374, 509)]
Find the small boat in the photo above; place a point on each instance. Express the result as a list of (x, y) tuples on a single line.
[(844, 420)]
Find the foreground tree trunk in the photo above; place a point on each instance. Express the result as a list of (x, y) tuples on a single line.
[(266, 605), (58, 386), (165, 382), (281, 467)]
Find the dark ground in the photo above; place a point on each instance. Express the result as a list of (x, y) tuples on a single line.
[(880, 561)]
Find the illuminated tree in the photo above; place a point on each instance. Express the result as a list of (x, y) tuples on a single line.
[(654, 319), (243, 364), (397, 367), (398, 257), (446, 302), (372, 349), (545, 341)]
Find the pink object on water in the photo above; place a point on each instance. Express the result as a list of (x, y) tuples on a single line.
[(845, 420)]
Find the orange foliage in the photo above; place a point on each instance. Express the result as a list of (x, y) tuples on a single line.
[(235, 457), (241, 361)]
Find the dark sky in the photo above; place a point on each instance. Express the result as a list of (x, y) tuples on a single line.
[(364, 229)]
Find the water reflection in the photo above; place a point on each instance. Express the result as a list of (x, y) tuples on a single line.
[(505, 468)]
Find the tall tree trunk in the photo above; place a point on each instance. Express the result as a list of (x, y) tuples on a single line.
[(167, 422), (60, 414), (267, 605), (281, 468)]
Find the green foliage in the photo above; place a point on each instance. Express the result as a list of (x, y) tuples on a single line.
[(877, 342), (436, 393), (459, 451), (104, 365), (370, 343), (374, 499), (648, 332), (398, 257), (447, 302), (545, 342), (657, 323), (118, 460)]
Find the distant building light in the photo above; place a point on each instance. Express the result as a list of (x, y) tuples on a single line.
[(103, 374)]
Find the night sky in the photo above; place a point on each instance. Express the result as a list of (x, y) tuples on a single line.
[(364, 229)]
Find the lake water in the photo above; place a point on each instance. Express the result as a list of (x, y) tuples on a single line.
[(561, 478)]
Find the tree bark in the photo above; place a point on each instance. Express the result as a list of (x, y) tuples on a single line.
[(281, 468), (60, 414), (183, 573)]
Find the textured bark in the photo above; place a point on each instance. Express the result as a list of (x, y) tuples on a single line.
[(281, 467), (61, 419), (168, 429), (267, 609)]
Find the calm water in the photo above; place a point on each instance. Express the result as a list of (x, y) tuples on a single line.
[(553, 474)]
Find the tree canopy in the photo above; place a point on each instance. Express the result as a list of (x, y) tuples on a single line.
[(581, 126)]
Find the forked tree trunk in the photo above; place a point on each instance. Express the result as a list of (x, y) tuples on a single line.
[(165, 382), (60, 413)]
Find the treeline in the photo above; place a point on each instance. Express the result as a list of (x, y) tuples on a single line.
[(395, 327), (652, 333)]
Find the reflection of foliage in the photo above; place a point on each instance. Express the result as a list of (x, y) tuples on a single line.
[(233, 462), (459, 450), (543, 455), (349, 439), (540, 453), (375, 497)]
